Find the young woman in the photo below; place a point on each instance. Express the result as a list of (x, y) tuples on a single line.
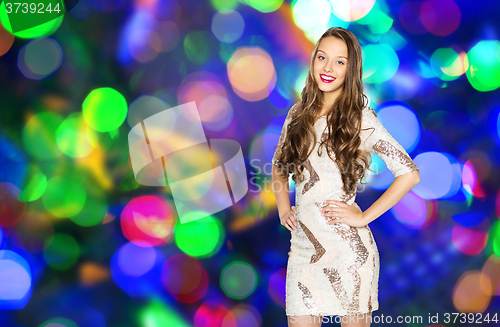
[(326, 143)]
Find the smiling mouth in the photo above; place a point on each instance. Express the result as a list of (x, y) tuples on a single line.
[(326, 78)]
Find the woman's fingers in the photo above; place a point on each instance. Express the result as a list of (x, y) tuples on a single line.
[(285, 223), (293, 221), (289, 220), (337, 203), (330, 211)]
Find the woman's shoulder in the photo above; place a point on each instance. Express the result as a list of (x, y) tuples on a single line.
[(294, 110), (368, 114), (369, 120)]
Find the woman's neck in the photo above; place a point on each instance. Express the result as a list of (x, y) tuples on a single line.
[(327, 106), (325, 109), (329, 99)]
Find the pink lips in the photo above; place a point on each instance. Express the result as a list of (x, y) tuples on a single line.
[(326, 81)]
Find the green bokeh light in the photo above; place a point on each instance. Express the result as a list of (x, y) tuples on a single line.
[(380, 63), (238, 280), (61, 251), (74, 137), (394, 39), (377, 20), (63, 197), (45, 29), (300, 82), (198, 46), (381, 24), (226, 51), (39, 135), (441, 61), (157, 314), (201, 237), (264, 5), (34, 184), (92, 213), (104, 109), (484, 70), (60, 321), (495, 237), (221, 4)]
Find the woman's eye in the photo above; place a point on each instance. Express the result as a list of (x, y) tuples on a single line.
[(340, 62), (321, 57)]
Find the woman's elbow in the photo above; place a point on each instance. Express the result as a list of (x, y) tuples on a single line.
[(412, 177), (415, 176)]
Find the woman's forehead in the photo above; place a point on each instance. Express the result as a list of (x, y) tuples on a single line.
[(333, 46)]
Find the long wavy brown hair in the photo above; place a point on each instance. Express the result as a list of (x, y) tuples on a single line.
[(343, 120)]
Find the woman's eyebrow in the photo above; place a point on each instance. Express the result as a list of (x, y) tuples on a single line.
[(337, 56)]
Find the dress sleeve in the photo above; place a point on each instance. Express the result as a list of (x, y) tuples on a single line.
[(378, 140), (284, 130)]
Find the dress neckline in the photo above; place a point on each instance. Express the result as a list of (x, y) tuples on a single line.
[(319, 117)]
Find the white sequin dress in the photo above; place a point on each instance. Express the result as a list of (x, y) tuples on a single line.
[(334, 269)]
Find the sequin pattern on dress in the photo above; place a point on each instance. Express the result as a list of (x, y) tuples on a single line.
[(320, 250), (346, 197), (335, 280), (351, 235), (308, 299), (373, 273), (373, 111), (386, 148), (314, 176)]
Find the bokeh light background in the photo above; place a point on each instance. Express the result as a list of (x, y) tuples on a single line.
[(83, 244)]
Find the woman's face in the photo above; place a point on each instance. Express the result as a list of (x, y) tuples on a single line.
[(330, 65)]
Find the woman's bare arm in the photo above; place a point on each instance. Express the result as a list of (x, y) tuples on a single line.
[(281, 192), (394, 193)]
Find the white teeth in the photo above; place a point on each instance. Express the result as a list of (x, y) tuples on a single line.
[(327, 78)]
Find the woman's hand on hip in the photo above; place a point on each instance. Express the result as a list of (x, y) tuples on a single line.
[(344, 213), (288, 219)]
